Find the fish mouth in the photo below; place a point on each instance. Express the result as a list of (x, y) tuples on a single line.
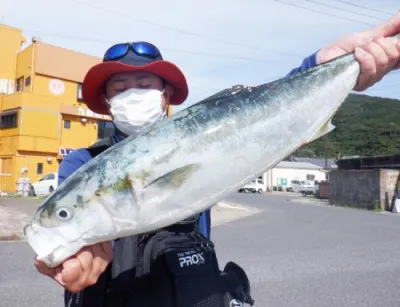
[(49, 246)]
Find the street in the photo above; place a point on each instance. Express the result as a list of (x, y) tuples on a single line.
[(295, 251)]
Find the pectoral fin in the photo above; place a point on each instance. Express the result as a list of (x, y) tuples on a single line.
[(176, 177), (325, 129), (149, 194)]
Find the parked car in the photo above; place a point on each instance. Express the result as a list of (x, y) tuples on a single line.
[(45, 185), (255, 186), (304, 187)]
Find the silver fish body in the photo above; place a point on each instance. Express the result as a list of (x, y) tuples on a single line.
[(186, 163)]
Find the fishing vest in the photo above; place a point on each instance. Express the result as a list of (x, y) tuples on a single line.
[(175, 266)]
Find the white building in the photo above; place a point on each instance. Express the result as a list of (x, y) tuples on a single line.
[(286, 171)]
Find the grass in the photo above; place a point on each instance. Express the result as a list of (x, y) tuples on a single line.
[(36, 198), (375, 208)]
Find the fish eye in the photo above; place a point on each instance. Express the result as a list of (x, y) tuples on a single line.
[(63, 214)]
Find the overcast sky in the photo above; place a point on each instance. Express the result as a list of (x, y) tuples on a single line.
[(217, 43)]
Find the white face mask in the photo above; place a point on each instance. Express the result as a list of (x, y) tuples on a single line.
[(135, 109)]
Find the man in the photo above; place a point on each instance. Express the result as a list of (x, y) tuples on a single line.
[(121, 86)]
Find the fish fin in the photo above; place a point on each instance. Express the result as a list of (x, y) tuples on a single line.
[(160, 188), (325, 129), (176, 177)]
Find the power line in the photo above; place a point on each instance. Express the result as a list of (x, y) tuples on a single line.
[(88, 39), (324, 13), (209, 37), (345, 10), (364, 7)]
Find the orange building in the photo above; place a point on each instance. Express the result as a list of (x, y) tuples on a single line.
[(42, 115)]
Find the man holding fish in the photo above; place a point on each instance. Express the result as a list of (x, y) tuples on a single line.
[(135, 85)]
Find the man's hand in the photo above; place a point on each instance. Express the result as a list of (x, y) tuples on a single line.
[(82, 270), (374, 50)]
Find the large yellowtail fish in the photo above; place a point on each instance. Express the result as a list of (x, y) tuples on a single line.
[(186, 163)]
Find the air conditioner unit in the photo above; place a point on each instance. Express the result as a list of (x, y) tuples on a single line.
[(35, 39)]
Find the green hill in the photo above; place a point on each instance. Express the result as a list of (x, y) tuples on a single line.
[(365, 126)]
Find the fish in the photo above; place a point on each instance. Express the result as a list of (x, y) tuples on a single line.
[(188, 162)]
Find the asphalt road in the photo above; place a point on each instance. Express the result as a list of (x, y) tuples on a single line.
[(296, 253)]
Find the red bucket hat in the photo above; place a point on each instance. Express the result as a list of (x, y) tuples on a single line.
[(139, 56)]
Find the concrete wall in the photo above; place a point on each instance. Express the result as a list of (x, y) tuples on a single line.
[(368, 189)]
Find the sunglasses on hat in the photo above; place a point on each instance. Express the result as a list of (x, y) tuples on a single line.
[(143, 49)]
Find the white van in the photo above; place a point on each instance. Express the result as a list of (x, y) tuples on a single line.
[(304, 187)]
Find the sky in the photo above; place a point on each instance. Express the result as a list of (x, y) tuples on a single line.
[(217, 44)]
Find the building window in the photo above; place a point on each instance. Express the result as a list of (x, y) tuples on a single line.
[(105, 129), (310, 177), (28, 81), (5, 166), (39, 169), (20, 84), (79, 94), (67, 124), (9, 119)]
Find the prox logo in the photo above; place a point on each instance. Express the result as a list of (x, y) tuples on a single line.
[(190, 260)]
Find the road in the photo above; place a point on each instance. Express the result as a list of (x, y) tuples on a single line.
[(297, 253)]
